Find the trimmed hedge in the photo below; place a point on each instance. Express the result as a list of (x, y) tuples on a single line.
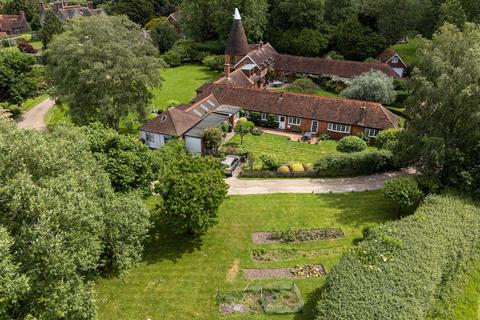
[(264, 174), (402, 267), (352, 164), (351, 144)]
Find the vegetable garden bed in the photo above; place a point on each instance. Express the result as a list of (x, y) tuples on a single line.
[(297, 235), (265, 255), (305, 271)]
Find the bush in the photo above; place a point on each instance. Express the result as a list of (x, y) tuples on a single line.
[(214, 62), (404, 192), (351, 144), (351, 164), (325, 136), (269, 161), (387, 139), (164, 36), (403, 266), (303, 85), (284, 169), (256, 131), (173, 58), (297, 167), (264, 174)]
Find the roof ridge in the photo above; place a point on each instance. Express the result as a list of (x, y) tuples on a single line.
[(199, 102)]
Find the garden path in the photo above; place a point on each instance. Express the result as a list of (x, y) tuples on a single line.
[(35, 117), (334, 185)]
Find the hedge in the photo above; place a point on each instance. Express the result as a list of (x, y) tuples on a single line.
[(352, 164), (402, 267)]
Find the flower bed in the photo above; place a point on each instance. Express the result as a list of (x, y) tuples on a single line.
[(305, 271), (297, 235), (264, 255)]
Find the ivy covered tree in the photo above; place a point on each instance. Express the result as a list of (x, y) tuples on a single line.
[(103, 68), (67, 226), (192, 189), (51, 26), (442, 136)]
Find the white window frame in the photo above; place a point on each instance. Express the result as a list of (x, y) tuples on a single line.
[(395, 59), (294, 121), (264, 117), (372, 133), (149, 137), (311, 126), (338, 127)]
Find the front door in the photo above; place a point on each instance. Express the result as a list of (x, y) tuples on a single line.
[(281, 122), (314, 126)]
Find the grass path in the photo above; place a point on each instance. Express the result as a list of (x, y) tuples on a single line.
[(179, 278)]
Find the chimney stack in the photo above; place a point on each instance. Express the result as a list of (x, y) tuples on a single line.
[(22, 14), (43, 8), (90, 5)]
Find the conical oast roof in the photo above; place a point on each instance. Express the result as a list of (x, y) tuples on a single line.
[(237, 41)]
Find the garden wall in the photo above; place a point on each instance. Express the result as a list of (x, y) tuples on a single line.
[(403, 266)]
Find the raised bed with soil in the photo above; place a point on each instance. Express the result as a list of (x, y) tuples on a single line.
[(297, 272), (265, 255), (297, 235)]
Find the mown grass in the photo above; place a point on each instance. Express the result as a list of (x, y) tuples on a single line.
[(408, 51), (180, 84), (180, 277), (284, 149)]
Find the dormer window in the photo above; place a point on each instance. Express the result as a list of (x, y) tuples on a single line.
[(395, 59), (163, 118)]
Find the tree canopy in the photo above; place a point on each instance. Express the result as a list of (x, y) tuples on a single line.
[(65, 222), (444, 107), (103, 68), (372, 86)]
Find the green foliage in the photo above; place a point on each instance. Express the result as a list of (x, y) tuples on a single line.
[(404, 192), (351, 164), (129, 163), (192, 189), (50, 27), (303, 85), (351, 144), (19, 77), (269, 162), (371, 86), (214, 62), (303, 42), (403, 266), (387, 139), (173, 58), (66, 223), (213, 137), (155, 22), (164, 36), (297, 14), (243, 127), (451, 11), (442, 135), (103, 70), (139, 11)]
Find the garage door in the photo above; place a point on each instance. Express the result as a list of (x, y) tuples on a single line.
[(194, 145)]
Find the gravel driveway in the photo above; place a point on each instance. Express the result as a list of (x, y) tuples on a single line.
[(35, 117)]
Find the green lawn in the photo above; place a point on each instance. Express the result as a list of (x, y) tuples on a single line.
[(320, 92), (284, 149), (179, 278), (408, 51), (180, 83)]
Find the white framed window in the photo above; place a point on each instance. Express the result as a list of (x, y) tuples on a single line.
[(395, 59), (372, 133), (150, 137), (277, 118), (264, 117), (337, 127), (294, 121)]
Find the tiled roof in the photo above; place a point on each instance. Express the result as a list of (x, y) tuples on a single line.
[(386, 55), (329, 67), (9, 22), (262, 55), (236, 79), (173, 122), (73, 12), (237, 41), (344, 111)]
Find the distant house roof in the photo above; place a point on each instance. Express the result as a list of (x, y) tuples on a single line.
[(173, 122), (386, 55), (11, 24), (336, 110), (237, 79), (237, 44), (73, 12), (329, 67), (175, 16)]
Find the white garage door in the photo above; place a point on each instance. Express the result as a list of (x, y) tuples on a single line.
[(194, 145)]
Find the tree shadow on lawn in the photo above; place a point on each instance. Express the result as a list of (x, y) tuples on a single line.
[(309, 308), (162, 244)]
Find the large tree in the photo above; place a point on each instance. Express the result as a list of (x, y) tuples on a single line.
[(19, 77), (372, 86), (66, 224), (50, 27), (297, 14), (192, 188), (212, 19), (452, 11), (139, 11), (103, 68), (443, 136)]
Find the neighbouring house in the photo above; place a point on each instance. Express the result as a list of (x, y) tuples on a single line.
[(13, 24), (66, 11), (393, 59), (262, 63), (189, 122), (174, 19)]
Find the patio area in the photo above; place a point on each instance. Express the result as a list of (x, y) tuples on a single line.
[(291, 135)]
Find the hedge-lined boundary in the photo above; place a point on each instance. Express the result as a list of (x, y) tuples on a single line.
[(400, 269)]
